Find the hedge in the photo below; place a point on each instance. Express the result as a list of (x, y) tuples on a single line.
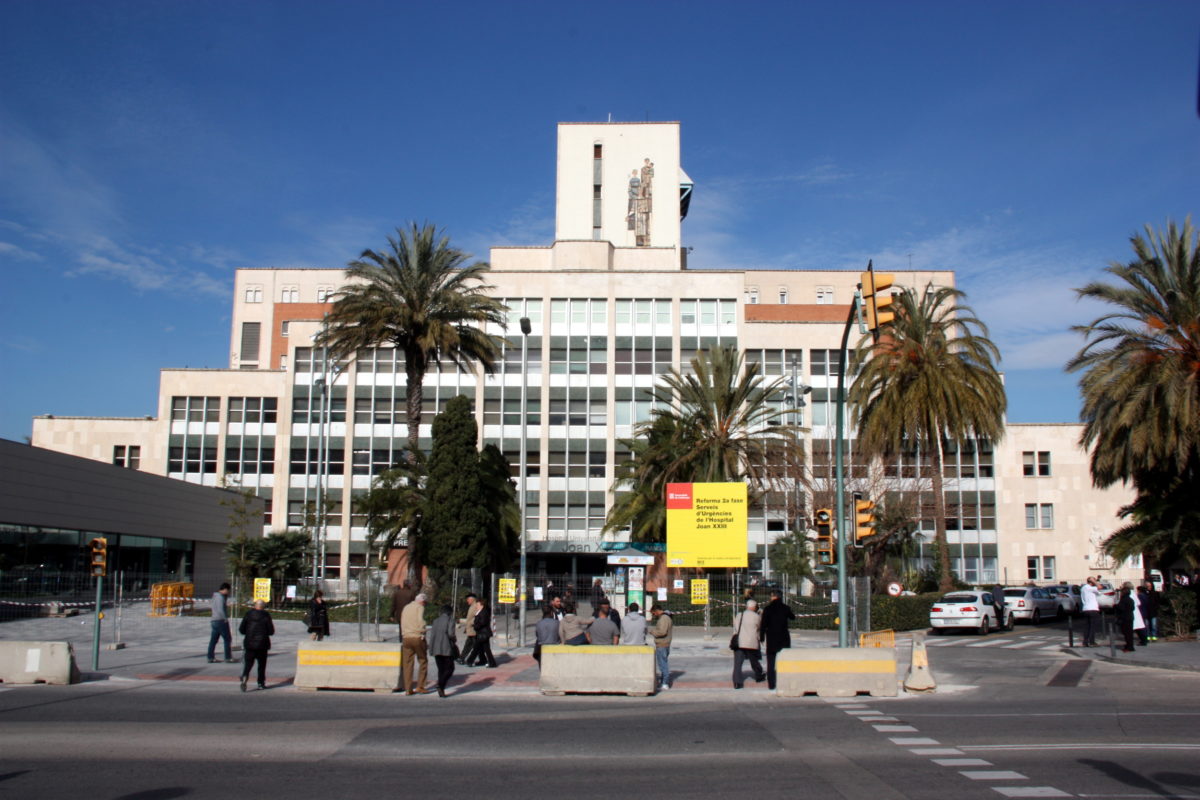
[(902, 613)]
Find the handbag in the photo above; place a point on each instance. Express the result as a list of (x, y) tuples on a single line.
[(733, 640)]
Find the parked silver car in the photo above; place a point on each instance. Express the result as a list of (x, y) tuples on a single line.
[(1031, 603), (1067, 596), (967, 610)]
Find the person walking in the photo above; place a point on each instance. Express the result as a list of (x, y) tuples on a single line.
[(998, 604), (483, 637), (1150, 610), (257, 628), (662, 632), (443, 646), (775, 619), (219, 625), (468, 651), (318, 617), (747, 632), (545, 632), (572, 628), (412, 630), (598, 593), (603, 630), (633, 626), (1139, 621), (1089, 603), (1124, 611)]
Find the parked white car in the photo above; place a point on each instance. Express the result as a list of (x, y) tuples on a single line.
[(1067, 596), (967, 610), (1031, 603), (1108, 595)]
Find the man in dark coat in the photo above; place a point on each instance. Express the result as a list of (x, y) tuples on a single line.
[(775, 618), (257, 628), (483, 638)]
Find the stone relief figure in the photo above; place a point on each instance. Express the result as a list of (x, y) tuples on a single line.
[(641, 203)]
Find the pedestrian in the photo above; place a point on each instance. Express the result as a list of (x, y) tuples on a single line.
[(556, 606), (468, 651), (603, 630), (662, 632), (1150, 612), (483, 637), (775, 619), (1089, 602), (219, 625), (613, 616), (572, 628), (633, 626), (744, 644), (998, 604), (443, 646), (545, 632), (257, 628), (412, 631), (318, 617), (401, 597), (1124, 611), (597, 593), (1142, 606)]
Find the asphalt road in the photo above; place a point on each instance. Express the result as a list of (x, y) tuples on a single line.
[(1011, 719)]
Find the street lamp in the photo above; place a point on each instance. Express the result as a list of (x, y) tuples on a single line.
[(318, 546), (526, 329)]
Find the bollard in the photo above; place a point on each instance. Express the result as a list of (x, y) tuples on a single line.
[(919, 678)]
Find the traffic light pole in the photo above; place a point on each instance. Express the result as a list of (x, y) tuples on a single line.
[(840, 476), (96, 626)]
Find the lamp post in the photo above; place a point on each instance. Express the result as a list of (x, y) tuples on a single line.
[(526, 329), (318, 545)]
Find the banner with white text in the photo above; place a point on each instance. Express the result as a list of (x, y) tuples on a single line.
[(706, 525)]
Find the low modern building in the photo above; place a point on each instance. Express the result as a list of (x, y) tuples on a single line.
[(612, 306)]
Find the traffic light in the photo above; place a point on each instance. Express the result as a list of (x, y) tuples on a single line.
[(826, 552), (864, 519), (99, 547), (877, 298)]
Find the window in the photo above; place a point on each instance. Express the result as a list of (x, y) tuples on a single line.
[(251, 337), (1036, 464), (128, 456), (253, 409), (824, 295), (783, 295), (324, 294), (253, 294), (283, 327), (196, 409), (1039, 568), (752, 295), (289, 294), (283, 363), (1039, 516)]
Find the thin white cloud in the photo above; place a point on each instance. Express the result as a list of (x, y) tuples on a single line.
[(10, 250)]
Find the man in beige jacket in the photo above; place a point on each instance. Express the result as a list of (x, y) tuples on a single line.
[(412, 627), (661, 631)]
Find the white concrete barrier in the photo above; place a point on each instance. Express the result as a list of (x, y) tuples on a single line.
[(348, 665), (598, 669), (38, 662), (836, 672)]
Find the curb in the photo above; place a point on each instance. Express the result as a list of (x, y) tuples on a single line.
[(1133, 662)]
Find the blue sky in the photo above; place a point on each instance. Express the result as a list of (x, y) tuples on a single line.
[(147, 149)]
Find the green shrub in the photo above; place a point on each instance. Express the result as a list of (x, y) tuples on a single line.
[(1178, 611), (901, 613)]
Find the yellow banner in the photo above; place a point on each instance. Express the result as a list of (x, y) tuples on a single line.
[(706, 525), (262, 589), (699, 591), (508, 590)]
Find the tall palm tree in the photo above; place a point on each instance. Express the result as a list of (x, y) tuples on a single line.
[(719, 422), (1141, 363), (931, 377), (422, 297)]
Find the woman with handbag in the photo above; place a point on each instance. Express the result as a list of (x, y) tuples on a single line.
[(318, 617), (744, 644)]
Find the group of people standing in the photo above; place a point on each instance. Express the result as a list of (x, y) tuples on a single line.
[(440, 639), (1136, 613)]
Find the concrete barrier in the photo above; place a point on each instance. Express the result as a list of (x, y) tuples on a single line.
[(919, 678), (348, 665), (38, 662), (836, 672), (598, 669)]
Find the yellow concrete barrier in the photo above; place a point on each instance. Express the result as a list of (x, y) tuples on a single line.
[(38, 662), (836, 672), (598, 669), (348, 665)]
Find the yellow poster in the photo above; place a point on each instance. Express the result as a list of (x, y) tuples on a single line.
[(706, 525), (699, 591), (508, 590), (262, 589)]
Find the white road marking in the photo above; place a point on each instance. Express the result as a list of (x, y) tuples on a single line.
[(895, 728), (1018, 645), (937, 751), (879, 719), (993, 775), (905, 740), (962, 762), (848, 706), (864, 713), (1030, 791), (1082, 746), (991, 643)]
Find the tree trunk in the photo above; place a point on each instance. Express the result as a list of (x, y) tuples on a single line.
[(414, 396), (945, 579)]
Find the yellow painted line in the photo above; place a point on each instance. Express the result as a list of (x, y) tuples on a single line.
[(836, 666), (597, 649), (347, 658)]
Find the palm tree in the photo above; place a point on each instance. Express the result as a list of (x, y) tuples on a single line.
[(716, 423), (930, 377), (1164, 520), (422, 297), (1141, 363)]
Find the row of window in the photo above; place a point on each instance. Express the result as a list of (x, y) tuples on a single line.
[(823, 295), (287, 294)]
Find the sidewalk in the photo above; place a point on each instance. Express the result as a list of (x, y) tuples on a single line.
[(1162, 654)]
